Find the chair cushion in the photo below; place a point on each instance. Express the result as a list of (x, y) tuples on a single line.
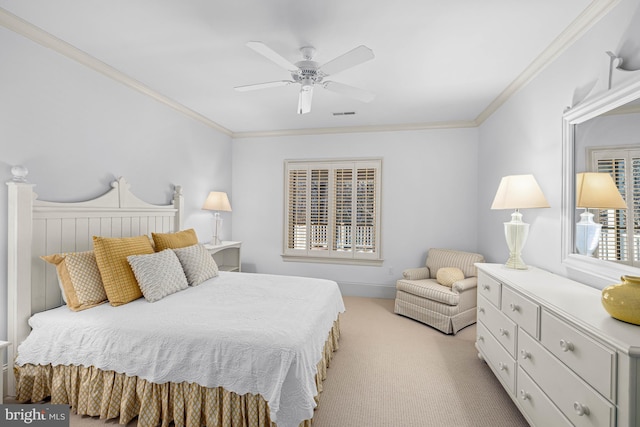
[(447, 276), (429, 289)]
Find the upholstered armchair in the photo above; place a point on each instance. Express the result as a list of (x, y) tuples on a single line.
[(442, 294)]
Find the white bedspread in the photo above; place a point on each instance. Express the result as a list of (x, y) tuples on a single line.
[(249, 333)]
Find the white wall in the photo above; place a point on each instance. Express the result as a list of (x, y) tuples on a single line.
[(525, 135), (428, 199), (76, 130)]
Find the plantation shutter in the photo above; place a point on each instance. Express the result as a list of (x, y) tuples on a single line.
[(333, 209), (620, 237), (297, 209), (319, 218), (343, 209), (366, 212)]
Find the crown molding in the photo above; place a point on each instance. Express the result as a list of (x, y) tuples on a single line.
[(356, 129), (592, 14), (38, 35)]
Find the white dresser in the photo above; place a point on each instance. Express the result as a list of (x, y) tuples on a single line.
[(563, 360)]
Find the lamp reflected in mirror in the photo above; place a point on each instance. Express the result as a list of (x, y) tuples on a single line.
[(594, 190)]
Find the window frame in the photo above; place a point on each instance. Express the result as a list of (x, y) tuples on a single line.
[(327, 251)]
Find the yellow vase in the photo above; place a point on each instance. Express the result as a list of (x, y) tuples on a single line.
[(622, 300)]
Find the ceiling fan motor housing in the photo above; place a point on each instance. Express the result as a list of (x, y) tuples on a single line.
[(307, 74)]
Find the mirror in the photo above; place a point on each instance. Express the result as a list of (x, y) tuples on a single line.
[(608, 113)]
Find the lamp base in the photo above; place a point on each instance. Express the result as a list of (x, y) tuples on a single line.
[(587, 234), (217, 227), (516, 233)]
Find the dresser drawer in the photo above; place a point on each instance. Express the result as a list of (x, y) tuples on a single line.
[(580, 403), (580, 353), (496, 356), (536, 405), (521, 310), (489, 288), (500, 326)]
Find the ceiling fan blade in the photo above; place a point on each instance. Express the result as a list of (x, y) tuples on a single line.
[(350, 91), (272, 55), (350, 59), (304, 100), (263, 85)]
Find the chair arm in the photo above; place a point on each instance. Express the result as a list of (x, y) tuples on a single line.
[(465, 284), (416, 273)]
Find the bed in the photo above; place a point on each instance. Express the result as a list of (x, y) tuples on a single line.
[(237, 349)]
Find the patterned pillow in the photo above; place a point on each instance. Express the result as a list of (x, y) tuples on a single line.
[(447, 276), (79, 279), (177, 240), (111, 255), (159, 274), (197, 263)]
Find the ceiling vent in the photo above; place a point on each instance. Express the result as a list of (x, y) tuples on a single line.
[(345, 113)]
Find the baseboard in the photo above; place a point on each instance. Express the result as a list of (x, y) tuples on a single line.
[(367, 290)]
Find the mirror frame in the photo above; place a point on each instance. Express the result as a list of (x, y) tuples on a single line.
[(604, 272)]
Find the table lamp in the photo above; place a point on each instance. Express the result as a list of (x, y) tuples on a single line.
[(594, 190), (518, 192), (217, 201)]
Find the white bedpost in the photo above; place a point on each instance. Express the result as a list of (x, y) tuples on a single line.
[(20, 202), (178, 203)]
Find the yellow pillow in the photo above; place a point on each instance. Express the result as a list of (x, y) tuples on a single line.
[(79, 279), (447, 276), (178, 240), (111, 255)]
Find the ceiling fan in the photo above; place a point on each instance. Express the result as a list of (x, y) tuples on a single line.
[(308, 73)]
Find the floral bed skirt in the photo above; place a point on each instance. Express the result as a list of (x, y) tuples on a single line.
[(108, 394)]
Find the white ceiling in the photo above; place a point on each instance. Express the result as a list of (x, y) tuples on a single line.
[(437, 63)]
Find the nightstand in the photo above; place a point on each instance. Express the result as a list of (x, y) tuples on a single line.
[(226, 255), (3, 345)]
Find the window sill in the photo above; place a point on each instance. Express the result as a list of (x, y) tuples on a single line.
[(327, 260)]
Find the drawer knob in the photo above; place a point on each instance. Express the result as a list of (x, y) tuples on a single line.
[(524, 395), (514, 307), (525, 354), (566, 345), (480, 338), (502, 366), (504, 332), (480, 309), (486, 287), (580, 409)]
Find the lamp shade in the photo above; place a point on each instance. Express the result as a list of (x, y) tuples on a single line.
[(597, 190), (519, 192), (217, 201)]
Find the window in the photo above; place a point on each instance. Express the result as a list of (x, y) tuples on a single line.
[(620, 237), (332, 211)]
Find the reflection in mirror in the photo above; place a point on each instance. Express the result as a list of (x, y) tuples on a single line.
[(610, 144), (602, 134)]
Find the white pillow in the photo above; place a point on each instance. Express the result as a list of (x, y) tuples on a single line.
[(197, 262), (158, 274)]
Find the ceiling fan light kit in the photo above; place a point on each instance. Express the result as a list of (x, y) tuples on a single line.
[(308, 73)]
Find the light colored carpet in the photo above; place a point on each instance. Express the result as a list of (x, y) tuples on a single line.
[(391, 371)]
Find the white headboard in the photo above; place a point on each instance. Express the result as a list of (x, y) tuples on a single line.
[(39, 228)]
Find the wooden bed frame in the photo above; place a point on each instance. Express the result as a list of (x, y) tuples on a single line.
[(37, 228)]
